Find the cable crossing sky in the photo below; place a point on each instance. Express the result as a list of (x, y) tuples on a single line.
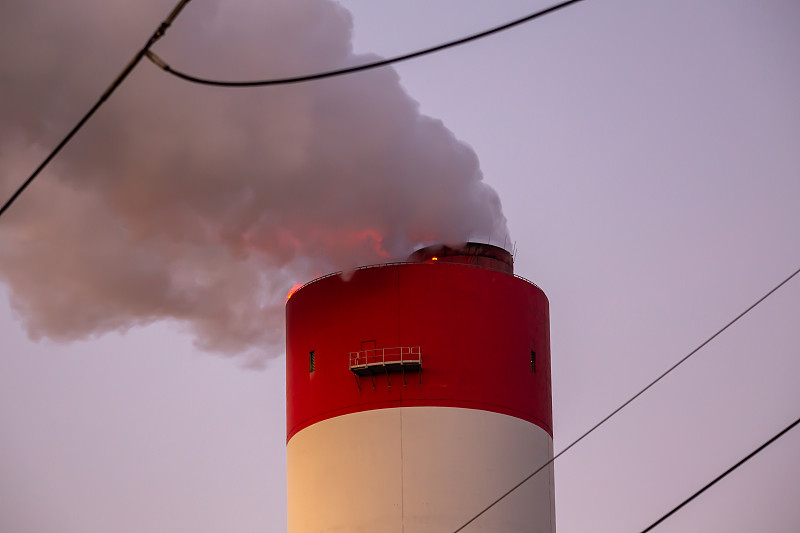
[(632, 398), (366, 66), (146, 52)]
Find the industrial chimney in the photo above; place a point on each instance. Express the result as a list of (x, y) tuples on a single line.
[(418, 393)]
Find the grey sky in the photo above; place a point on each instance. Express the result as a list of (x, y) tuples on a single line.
[(646, 157)]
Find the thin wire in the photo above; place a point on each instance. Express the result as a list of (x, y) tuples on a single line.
[(162, 28), (728, 471), (358, 68), (621, 407)]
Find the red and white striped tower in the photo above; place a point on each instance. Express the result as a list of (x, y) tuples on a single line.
[(417, 393)]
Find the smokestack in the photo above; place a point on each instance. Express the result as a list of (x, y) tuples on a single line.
[(417, 393)]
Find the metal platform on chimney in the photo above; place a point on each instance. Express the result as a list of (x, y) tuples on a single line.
[(377, 361)]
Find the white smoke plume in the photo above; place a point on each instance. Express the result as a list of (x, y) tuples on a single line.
[(204, 205)]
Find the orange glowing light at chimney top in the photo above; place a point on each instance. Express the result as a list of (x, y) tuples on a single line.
[(293, 290)]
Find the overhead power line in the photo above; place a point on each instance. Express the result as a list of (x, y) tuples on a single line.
[(719, 477), (631, 399), (145, 51), (162, 28), (359, 68)]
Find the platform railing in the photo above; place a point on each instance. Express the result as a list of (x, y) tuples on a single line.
[(401, 355)]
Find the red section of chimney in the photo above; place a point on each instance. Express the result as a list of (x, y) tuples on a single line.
[(482, 336)]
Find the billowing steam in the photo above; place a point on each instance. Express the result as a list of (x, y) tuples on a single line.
[(205, 205)]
